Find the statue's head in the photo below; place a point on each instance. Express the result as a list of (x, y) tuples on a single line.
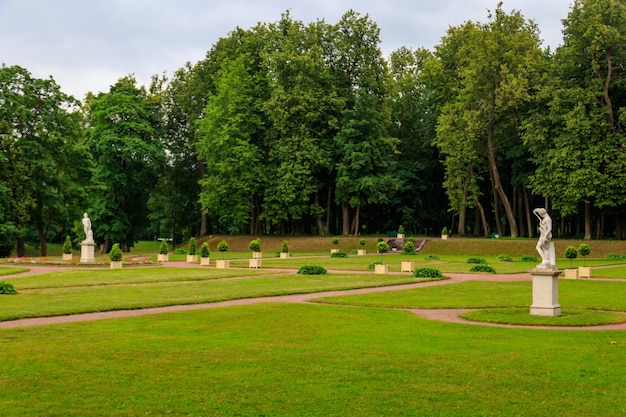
[(85, 215), (540, 211)]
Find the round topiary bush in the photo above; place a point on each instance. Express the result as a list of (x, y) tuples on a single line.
[(409, 248), (164, 248), (483, 268), (584, 250), (116, 253), (427, 273), (362, 242), (476, 260), (7, 288), (335, 241), (571, 253), (67, 246), (222, 247), (255, 245), (312, 270), (339, 255)]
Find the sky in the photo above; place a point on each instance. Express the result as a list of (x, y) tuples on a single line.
[(87, 45)]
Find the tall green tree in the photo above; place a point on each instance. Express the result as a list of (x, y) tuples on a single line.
[(499, 65), (577, 135), (365, 163), (46, 165), (129, 155)]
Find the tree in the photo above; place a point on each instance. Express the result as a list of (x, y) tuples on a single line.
[(577, 134), (129, 155), (497, 66), (46, 167)]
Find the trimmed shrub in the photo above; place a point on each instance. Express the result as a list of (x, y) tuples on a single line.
[(483, 268), (431, 257), (476, 260), (615, 256), (505, 258), (409, 248), (373, 264), (180, 251), (529, 258), (255, 245), (362, 242), (116, 253), (382, 247), (222, 247), (427, 273), (335, 241), (411, 239), (192, 246), (204, 250), (67, 246), (285, 247), (584, 250), (7, 288), (312, 270), (571, 253), (339, 255), (444, 231), (401, 230), (164, 248)]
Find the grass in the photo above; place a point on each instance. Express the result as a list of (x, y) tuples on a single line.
[(570, 317), (11, 271), (307, 360)]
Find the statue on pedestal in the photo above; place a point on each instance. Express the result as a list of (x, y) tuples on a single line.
[(545, 247), (87, 228)]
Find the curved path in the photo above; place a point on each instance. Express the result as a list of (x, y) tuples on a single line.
[(447, 315)]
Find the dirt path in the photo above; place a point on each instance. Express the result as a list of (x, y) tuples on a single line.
[(447, 315)]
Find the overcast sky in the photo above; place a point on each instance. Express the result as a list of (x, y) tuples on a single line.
[(86, 45)]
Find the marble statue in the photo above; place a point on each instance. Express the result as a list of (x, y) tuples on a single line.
[(87, 228), (545, 247)]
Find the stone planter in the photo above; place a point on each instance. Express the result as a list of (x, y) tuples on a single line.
[(116, 264), (163, 257), (381, 269), (284, 255), (334, 250), (205, 261), (67, 256), (361, 252), (444, 237), (222, 263), (407, 266), (400, 236), (192, 258), (570, 274), (254, 263), (257, 255), (584, 272)]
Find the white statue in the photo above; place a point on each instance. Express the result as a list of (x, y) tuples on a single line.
[(545, 247), (87, 228)]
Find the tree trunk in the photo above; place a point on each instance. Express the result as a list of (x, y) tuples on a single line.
[(318, 217), (482, 218), (203, 216), (527, 208), (21, 246), (42, 232), (345, 218), (493, 168), (496, 209), (587, 221), (328, 197), (356, 220)]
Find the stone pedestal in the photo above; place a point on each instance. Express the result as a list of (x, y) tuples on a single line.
[(284, 255), (87, 252), (381, 269), (222, 263), (334, 251), (584, 272), (407, 266), (254, 263), (205, 261), (545, 292), (361, 252)]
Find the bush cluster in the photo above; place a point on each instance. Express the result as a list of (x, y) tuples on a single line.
[(616, 256), (476, 260), (431, 257), (180, 251), (529, 258), (427, 273), (505, 258), (7, 288), (483, 268), (312, 270), (373, 264), (339, 255)]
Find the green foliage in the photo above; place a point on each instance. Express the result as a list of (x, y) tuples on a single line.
[(571, 253), (529, 258), (7, 288), (373, 264), (222, 246), (116, 253), (584, 249), (285, 247), (505, 258), (180, 251), (427, 273), (382, 247), (255, 245), (483, 268), (615, 256), (431, 257), (164, 248), (411, 239), (476, 260), (312, 270), (444, 231), (335, 241), (204, 250), (67, 245), (362, 242), (409, 248), (192, 246), (401, 230), (339, 255)]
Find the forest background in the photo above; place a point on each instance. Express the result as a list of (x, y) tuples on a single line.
[(287, 128)]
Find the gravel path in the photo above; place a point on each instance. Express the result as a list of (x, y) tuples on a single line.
[(447, 315)]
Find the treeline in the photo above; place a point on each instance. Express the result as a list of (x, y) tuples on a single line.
[(291, 128)]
